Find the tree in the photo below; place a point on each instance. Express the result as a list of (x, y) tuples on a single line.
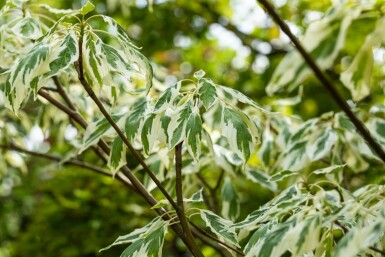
[(195, 151)]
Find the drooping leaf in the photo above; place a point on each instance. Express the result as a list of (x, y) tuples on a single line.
[(296, 237), (150, 246), (150, 132), (256, 237), (95, 67), (143, 64), (143, 239), (135, 118), (63, 54), (239, 132), (230, 201), (26, 72), (167, 98), (117, 31), (194, 133), (265, 152), (221, 227), (357, 78), (176, 130), (207, 93), (117, 156), (97, 129)]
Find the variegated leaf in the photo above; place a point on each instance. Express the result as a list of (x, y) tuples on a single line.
[(143, 64), (256, 237), (138, 234), (238, 96), (207, 93), (64, 52), (150, 246), (116, 62), (324, 39), (46, 59), (295, 157), (260, 177), (117, 31), (322, 145), (176, 129), (219, 226), (194, 133), (240, 132), (25, 74), (95, 65), (282, 175), (377, 128), (298, 238), (167, 98), (230, 201), (272, 244), (28, 27), (358, 239), (357, 78), (150, 132), (329, 169), (117, 156), (135, 118), (96, 130), (266, 150)]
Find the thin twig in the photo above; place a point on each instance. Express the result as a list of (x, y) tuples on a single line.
[(91, 93), (74, 115), (179, 196), (346, 230), (79, 68), (51, 157), (62, 93), (325, 81)]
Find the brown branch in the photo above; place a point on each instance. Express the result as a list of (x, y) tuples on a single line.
[(91, 93), (73, 162), (179, 196), (74, 115), (346, 230), (62, 93), (51, 157), (374, 145)]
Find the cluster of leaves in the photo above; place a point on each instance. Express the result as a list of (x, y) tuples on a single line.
[(303, 164)]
